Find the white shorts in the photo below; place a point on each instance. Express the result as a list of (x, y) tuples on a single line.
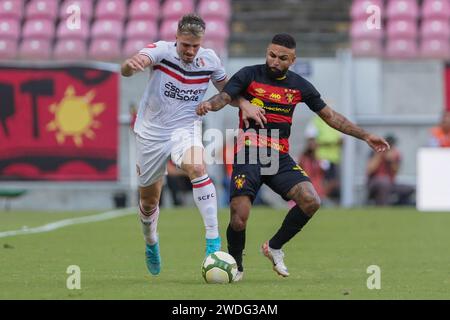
[(152, 155)]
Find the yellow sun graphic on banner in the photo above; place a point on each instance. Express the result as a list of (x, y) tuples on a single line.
[(75, 117)]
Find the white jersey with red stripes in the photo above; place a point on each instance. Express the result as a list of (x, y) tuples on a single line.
[(174, 89)]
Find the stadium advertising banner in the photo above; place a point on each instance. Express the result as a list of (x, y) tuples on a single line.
[(59, 123)]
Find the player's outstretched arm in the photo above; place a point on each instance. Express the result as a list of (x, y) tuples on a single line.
[(249, 111), (215, 103), (136, 63), (337, 121)]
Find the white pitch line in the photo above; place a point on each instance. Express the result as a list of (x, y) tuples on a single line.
[(68, 222)]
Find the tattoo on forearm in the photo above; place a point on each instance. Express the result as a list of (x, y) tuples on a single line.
[(220, 100), (342, 124)]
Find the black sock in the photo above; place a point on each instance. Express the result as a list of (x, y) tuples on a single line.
[(292, 224), (236, 244)]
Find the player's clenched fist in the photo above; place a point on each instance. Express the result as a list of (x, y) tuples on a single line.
[(203, 108), (136, 63)]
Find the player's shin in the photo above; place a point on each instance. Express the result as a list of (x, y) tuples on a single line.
[(205, 198), (236, 245), (294, 221), (149, 222)]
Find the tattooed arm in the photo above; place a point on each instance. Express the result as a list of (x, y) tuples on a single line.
[(215, 103), (249, 111), (337, 121)]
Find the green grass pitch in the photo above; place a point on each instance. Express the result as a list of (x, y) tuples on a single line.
[(327, 260)]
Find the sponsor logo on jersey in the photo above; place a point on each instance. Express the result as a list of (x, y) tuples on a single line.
[(260, 91), (172, 91), (257, 102), (151, 46), (275, 96)]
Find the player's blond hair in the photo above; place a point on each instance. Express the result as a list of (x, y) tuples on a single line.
[(191, 24)]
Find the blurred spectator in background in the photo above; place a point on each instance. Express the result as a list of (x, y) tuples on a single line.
[(440, 135), (178, 183), (329, 145), (310, 163), (382, 170)]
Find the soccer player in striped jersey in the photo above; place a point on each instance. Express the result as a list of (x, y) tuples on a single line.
[(168, 126), (277, 90)]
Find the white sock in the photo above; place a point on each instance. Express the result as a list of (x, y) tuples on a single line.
[(206, 200), (149, 222)]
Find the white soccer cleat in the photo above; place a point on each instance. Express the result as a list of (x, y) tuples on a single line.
[(238, 277), (276, 257)]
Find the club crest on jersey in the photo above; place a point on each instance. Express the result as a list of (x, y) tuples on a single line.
[(200, 63), (151, 46), (239, 181), (289, 97)]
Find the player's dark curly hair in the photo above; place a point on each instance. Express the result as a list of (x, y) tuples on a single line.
[(285, 40), (192, 24)]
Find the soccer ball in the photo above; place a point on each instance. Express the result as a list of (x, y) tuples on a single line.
[(219, 267)]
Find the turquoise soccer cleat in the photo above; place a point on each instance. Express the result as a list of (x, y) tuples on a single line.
[(152, 258), (212, 245)]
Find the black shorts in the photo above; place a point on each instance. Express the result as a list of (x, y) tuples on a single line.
[(246, 179)]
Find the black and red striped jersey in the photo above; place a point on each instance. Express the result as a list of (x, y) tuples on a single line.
[(278, 97)]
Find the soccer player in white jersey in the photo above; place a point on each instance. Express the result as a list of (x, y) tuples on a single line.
[(168, 126)]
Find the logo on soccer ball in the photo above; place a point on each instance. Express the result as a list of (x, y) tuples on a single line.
[(239, 181), (219, 267)]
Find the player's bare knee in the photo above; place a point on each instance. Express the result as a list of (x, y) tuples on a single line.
[(239, 218), (238, 223), (199, 170), (149, 203), (196, 171)]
